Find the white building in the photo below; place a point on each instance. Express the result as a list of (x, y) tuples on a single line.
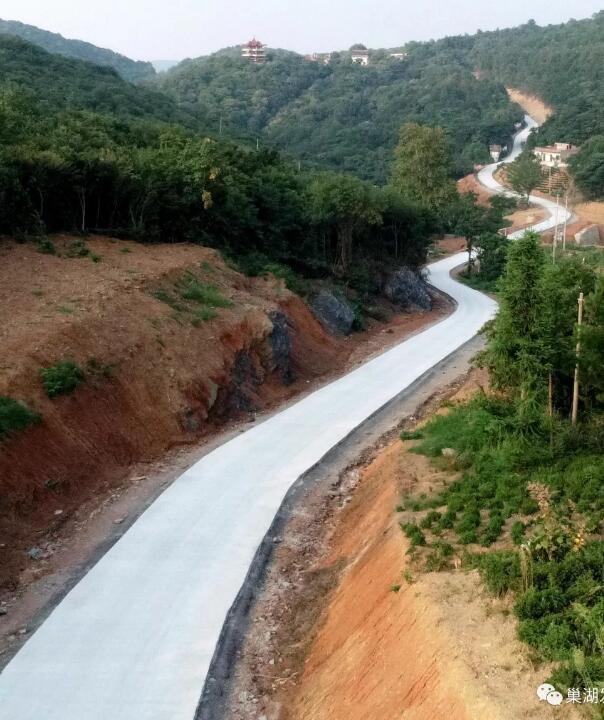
[(495, 151), (324, 58), (555, 156), (359, 54), (399, 55)]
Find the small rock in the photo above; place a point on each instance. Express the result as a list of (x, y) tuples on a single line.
[(35, 553), (120, 520), (3, 611), (23, 631), (58, 512), (271, 661), (448, 452)]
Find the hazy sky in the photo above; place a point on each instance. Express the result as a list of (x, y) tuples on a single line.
[(155, 29)]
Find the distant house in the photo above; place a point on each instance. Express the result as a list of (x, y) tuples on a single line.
[(399, 55), (359, 54), (555, 156), (324, 58), (495, 151), (254, 51)]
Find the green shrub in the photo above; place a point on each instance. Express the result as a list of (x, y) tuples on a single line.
[(448, 520), (411, 435), (415, 535), (169, 299), (432, 517), (77, 248), (62, 378), (533, 604), (203, 315), (500, 571), (517, 532), (293, 281), (552, 635), (46, 246), (15, 416)]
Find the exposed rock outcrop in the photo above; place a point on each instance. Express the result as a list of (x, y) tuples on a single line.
[(406, 288), (333, 312)]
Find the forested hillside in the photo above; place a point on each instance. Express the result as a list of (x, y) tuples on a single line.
[(82, 150), (563, 64), (346, 117), (61, 83), (131, 70), (342, 116)]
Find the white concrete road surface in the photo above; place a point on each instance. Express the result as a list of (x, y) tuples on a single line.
[(134, 639), (485, 176)]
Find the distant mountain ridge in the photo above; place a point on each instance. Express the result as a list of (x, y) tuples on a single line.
[(131, 70)]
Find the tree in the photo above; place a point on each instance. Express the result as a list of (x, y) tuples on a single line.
[(513, 354), (592, 344), (588, 167), (524, 174), (421, 171), (492, 256), (470, 219), (345, 204)]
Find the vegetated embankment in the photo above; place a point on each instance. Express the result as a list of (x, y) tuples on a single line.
[(386, 642), (124, 350)]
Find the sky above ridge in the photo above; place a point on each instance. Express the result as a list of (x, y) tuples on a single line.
[(155, 29)]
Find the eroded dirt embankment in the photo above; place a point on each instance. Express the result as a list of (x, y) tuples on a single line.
[(357, 635), (531, 104), (154, 380)]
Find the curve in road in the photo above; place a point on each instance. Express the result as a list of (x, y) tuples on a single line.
[(557, 215), (135, 638)]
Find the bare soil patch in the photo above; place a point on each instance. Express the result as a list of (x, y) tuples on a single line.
[(531, 104)]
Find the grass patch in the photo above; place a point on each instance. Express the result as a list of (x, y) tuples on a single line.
[(192, 288), (46, 246), (15, 416), (192, 300), (62, 378), (76, 249)]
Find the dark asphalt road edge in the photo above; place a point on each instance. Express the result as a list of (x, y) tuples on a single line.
[(215, 693)]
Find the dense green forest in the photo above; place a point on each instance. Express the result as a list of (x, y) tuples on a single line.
[(129, 69), (59, 83), (345, 117), (562, 64), (341, 116), (82, 150)]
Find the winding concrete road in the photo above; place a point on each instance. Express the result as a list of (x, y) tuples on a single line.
[(485, 176), (134, 639)]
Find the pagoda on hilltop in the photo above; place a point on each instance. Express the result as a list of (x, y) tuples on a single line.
[(254, 50)]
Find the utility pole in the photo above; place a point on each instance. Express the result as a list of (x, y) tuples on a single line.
[(575, 410), (565, 221), (555, 242)]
